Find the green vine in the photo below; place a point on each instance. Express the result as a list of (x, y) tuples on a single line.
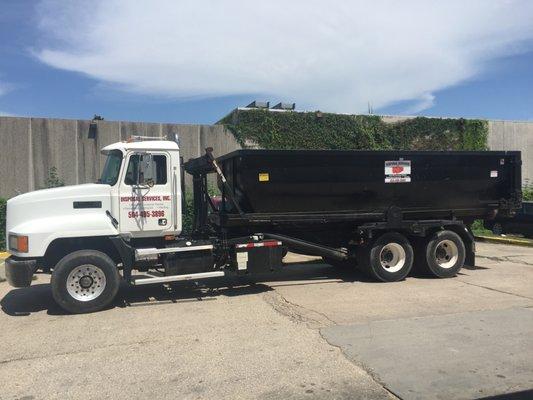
[(316, 130)]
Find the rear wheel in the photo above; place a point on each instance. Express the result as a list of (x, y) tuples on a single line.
[(85, 281), (389, 258), (444, 254)]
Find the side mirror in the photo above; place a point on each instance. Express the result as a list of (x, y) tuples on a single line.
[(146, 170)]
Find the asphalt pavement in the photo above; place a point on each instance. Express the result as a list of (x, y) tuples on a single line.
[(310, 332)]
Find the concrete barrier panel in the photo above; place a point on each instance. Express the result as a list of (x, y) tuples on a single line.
[(88, 154), (54, 146), (514, 135), (16, 170), (108, 133), (219, 138), (153, 130), (128, 129)]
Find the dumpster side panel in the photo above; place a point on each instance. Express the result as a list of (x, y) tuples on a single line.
[(468, 183)]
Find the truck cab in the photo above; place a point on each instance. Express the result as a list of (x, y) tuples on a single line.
[(91, 236), (138, 195)]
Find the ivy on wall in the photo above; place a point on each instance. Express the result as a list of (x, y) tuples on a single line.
[(316, 130)]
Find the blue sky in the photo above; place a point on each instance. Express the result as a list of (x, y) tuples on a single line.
[(76, 61)]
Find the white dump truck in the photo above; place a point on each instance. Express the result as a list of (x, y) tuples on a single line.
[(383, 211)]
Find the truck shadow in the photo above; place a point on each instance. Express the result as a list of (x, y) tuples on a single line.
[(38, 297), (520, 395), (24, 301), (183, 292), (188, 291), (211, 289)]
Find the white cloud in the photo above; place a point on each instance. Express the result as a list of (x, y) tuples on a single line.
[(423, 102), (335, 55)]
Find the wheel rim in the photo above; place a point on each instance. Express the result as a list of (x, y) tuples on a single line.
[(446, 254), (392, 257), (86, 282)]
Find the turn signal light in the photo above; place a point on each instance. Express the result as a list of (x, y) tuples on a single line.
[(18, 243), (22, 244)]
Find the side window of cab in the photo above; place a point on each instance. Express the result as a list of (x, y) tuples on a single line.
[(146, 169)]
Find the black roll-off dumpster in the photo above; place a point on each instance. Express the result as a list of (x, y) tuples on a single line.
[(422, 184)]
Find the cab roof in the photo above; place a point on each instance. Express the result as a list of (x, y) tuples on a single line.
[(142, 145)]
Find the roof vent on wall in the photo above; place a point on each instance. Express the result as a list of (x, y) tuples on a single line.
[(284, 106), (93, 127), (258, 104)]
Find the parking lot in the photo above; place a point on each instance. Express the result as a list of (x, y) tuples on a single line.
[(310, 332)]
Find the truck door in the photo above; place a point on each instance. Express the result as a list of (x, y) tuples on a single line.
[(146, 194)]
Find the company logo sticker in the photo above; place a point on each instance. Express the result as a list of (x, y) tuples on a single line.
[(398, 171)]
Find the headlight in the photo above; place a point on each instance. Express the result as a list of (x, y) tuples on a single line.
[(18, 243)]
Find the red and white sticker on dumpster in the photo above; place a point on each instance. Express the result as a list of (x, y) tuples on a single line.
[(398, 171)]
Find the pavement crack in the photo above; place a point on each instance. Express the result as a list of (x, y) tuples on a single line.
[(371, 373), (496, 290), (74, 352), (313, 319), (505, 259), (316, 320)]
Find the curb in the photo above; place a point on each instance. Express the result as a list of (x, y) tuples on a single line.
[(501, 240)]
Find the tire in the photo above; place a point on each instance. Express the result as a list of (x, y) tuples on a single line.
[(497, 228), (345, 265), (444, 254), (85, 281), (388, 259)]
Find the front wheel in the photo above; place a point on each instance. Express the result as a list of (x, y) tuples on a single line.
[(389, 258), (85, 281)]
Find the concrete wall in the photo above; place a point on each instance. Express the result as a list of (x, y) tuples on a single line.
[(514, 135), (31, 146)]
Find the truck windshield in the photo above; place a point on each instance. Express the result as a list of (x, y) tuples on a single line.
[(111, 168)]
